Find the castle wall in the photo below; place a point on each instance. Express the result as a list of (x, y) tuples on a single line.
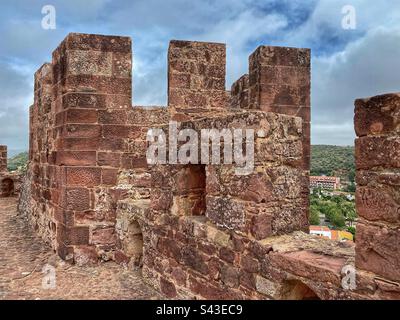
[(377, 197), (200, 229)]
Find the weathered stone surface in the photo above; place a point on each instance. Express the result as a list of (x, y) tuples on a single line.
[(377, 198), (167, 288), (230, 276), (261, 226), (240, 93), (377, 115), (3, 158), (378, 250), (377, 151), (22, 251), (378, 204), (196, 75), (225, 212), (266, 287), (310, 265)]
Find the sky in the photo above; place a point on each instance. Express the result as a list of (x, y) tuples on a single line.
[(346, 63)]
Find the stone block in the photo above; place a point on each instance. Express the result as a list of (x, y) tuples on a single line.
[(377, 115), (75, 158), (83, 176), (378, 204), (377, 151), (378, 250)]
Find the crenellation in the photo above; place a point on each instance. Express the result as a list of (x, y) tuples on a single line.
[(200, 229), (378, 205), (196, 76)]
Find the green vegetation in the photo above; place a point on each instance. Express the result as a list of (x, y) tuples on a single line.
[(333, 161), (314, 216), (18, 161), (352, 230), (337, 209), (351, 187)]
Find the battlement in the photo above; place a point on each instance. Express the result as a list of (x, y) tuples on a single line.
[(195, 229)]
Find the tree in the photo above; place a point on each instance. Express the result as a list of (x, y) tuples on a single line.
[(352, 230), (351, 187), (349, 211), (314, 216), (352, 175), (338, 219)]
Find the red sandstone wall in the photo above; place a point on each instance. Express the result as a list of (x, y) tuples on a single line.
[(279, 81), (194, 229), (196, 79), (378, 183), (201, 231), (211, 252), (41, 144), (77, 126)]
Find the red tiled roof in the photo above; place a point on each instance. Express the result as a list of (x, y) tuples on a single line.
[(319, 228)]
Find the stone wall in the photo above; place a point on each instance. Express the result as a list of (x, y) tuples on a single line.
[(377, 121), (198, 230), (204, 223), (78, 127), (3, 158)]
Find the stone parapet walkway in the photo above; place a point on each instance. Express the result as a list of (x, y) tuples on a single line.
[(23, 256)]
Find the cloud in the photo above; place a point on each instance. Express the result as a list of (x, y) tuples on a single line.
[(366, 67), (333, 134), (240, 34), (15, 96)]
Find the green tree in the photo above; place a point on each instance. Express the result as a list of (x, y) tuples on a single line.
[(18, 162), (351, 187), (352, 230), (337, 219), (314, 216), (349, 211), (352, 175)]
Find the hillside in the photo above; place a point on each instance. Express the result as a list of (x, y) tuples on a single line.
[(19, 160), (333, 160)]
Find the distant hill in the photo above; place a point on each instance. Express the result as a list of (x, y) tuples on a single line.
[(333, 161), (19, 160)]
